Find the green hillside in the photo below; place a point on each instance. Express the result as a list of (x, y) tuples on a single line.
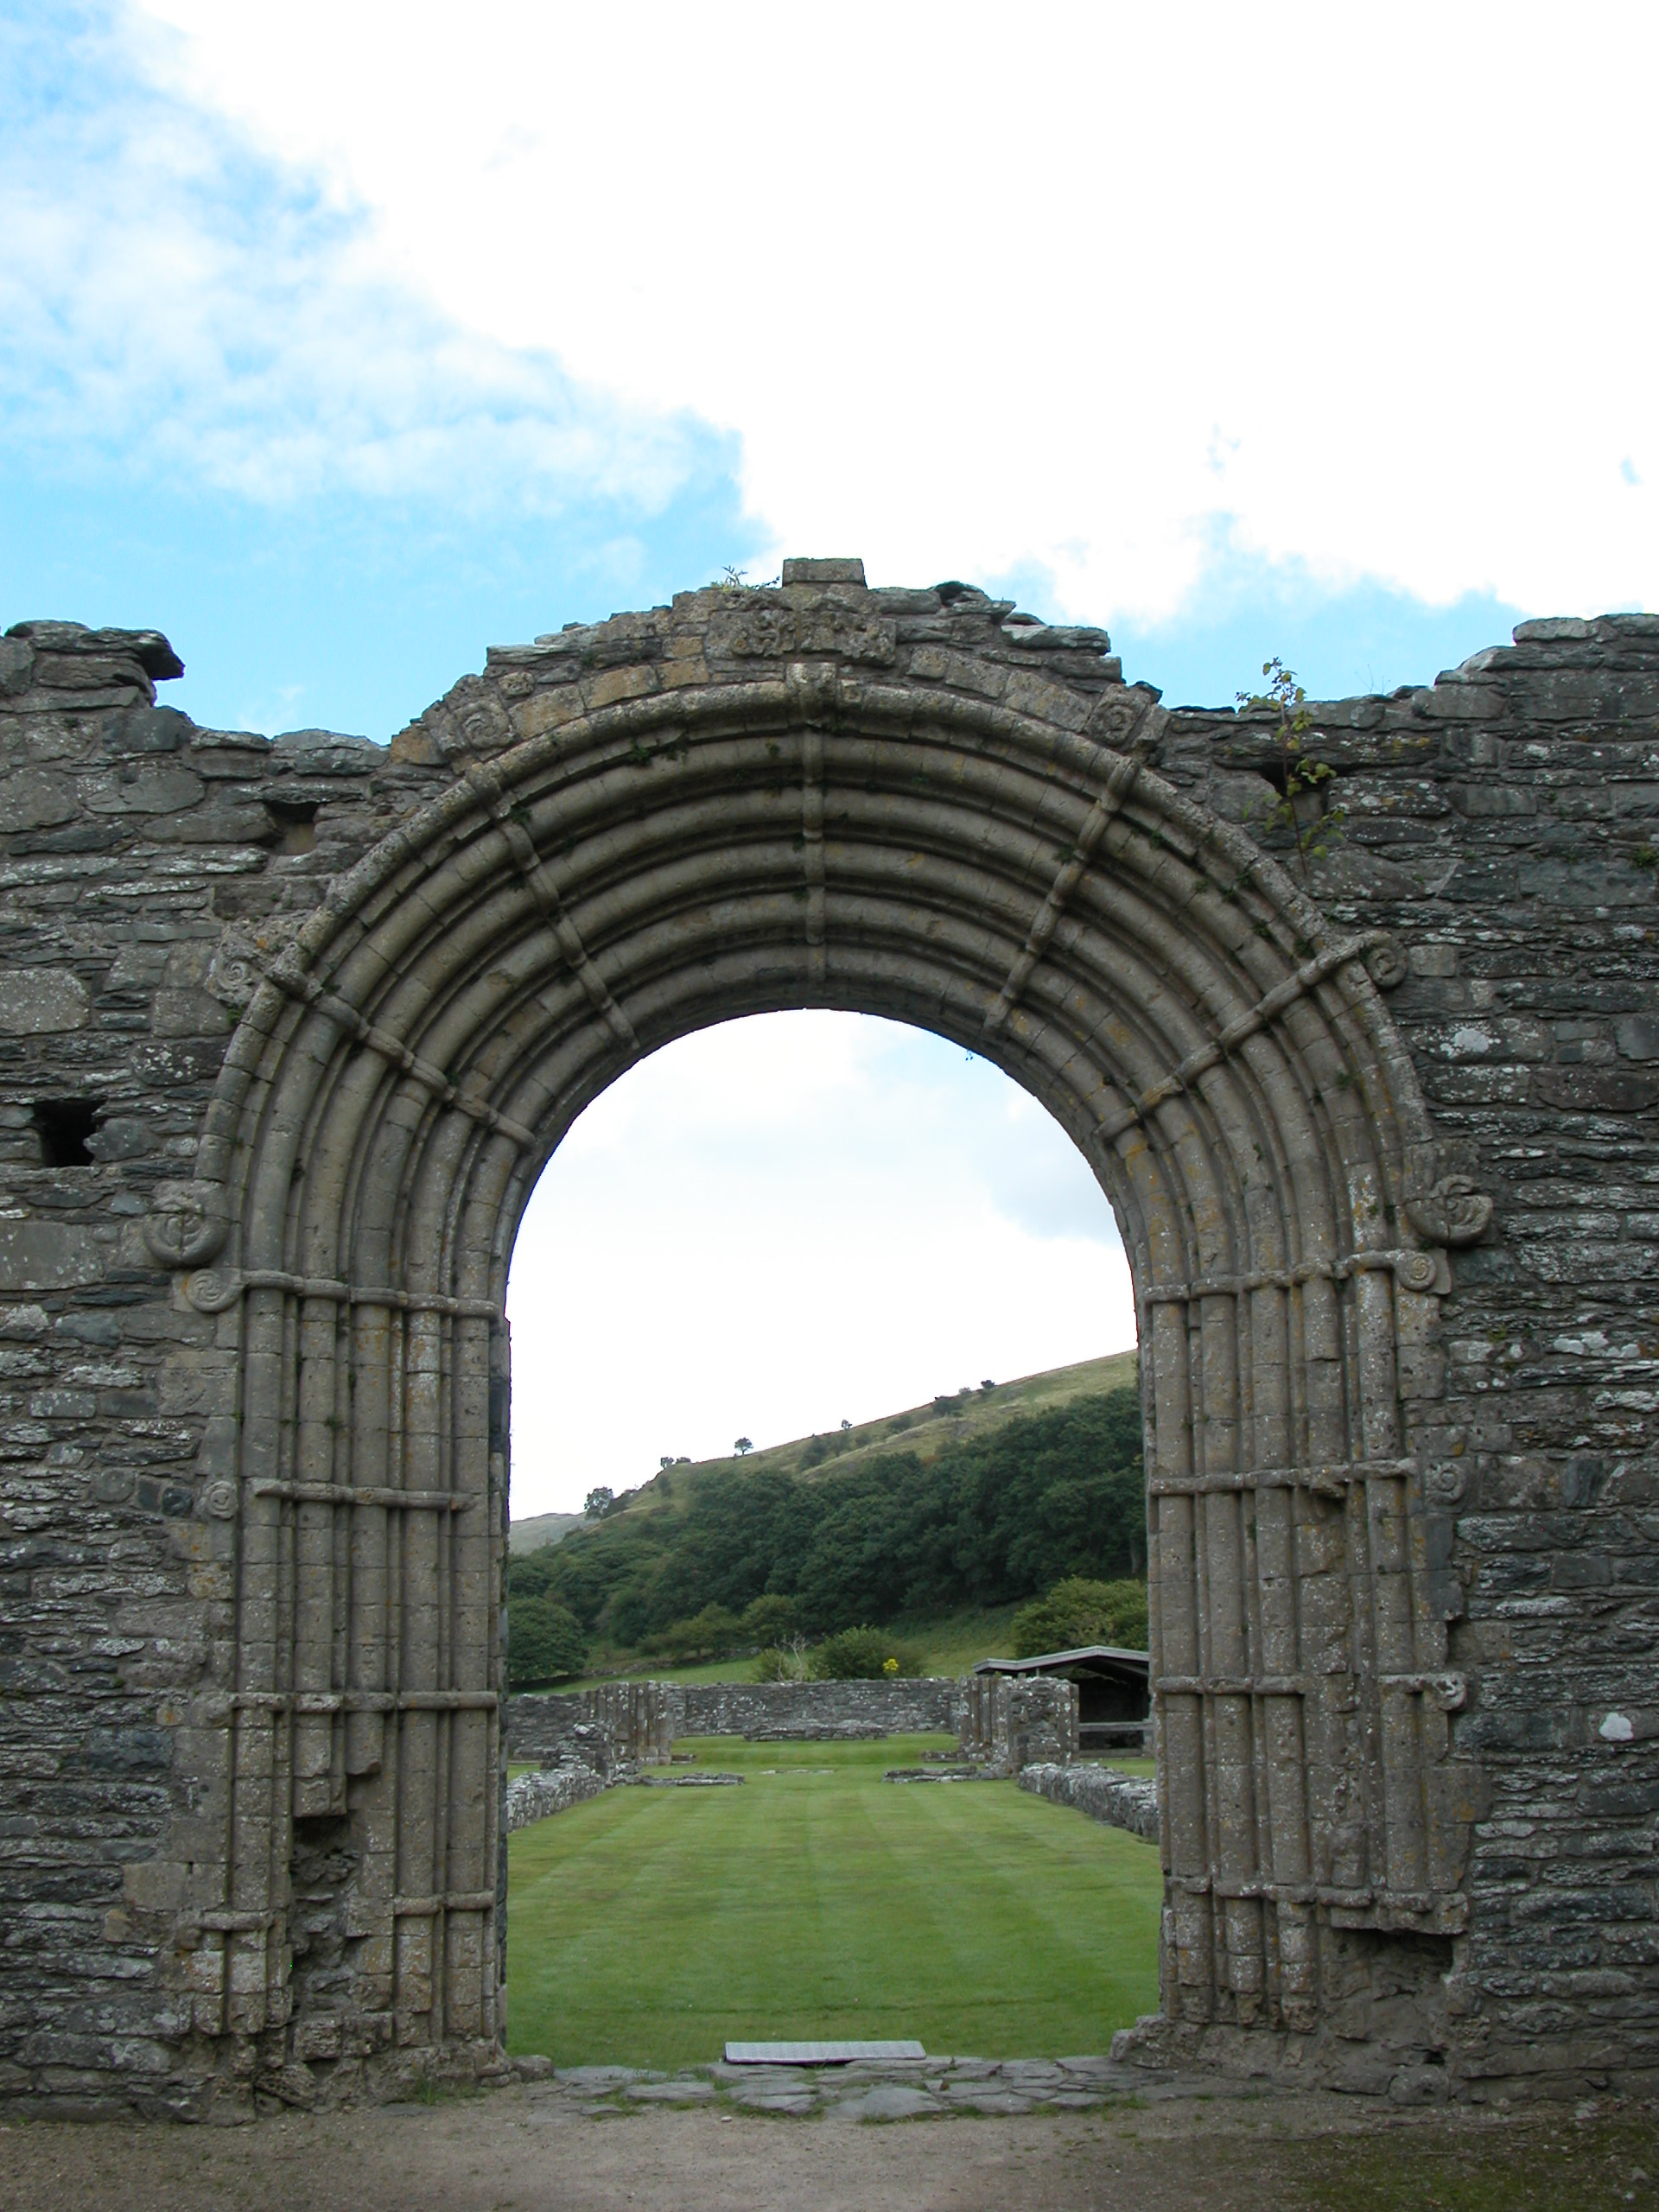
[(926, 1429), (954, 1510), (539, 1528)]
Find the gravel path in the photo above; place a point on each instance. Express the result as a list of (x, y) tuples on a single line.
[(587, 2144)]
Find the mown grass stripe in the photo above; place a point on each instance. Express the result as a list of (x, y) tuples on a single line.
[(647, 1927)]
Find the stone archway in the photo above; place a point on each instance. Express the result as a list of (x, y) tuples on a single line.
[(816, 796)]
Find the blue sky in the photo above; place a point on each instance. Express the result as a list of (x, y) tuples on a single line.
[(340, 344)]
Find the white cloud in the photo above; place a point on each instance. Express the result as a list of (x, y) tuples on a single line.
[(174, 298), (784, 1221), (982, 292)]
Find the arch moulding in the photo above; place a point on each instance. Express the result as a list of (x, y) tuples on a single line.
[(906, 805)]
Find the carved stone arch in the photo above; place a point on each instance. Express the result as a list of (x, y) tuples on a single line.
[(763, 809)]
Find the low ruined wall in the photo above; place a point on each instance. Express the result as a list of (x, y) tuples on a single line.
[(643, 1719), (1122, 1801), (554, 1789), (816, 1710)]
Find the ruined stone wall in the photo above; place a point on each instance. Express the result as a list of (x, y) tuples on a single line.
[(540, 1722), (645, 1725), (816, 1712), (1118, 1800), (1503, 826), (149, 867), (550, 1789), (1011, 1721), (635, 1718)]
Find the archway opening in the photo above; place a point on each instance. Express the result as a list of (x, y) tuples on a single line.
[(897, 803), (865, 1256)]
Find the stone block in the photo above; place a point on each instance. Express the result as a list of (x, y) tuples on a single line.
[(227, 822), (42, 1002), (1593, 1089), (147, 730), (120, 1136), (47, 1256), (847, 571), (190, 1013), (35, 798), (16, 666), (151, 787), (615, 684)]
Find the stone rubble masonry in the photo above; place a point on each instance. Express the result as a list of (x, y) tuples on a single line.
[(541, 1722), (644, 1719), (819, 1711), (1121, 1800), (1382, 1125), (552, 1789)]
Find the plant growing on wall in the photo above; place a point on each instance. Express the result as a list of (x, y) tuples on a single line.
[(1303, 807)]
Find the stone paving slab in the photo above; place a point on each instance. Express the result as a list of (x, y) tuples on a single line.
[(866, 2088)]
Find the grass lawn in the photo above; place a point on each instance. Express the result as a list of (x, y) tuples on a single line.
[(648, 1925)]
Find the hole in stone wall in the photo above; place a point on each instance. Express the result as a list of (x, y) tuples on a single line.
[(65, 1126), (295, 820)]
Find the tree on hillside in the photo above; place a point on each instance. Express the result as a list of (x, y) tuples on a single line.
[(862, 1655), (771, 1619), (1077, 1611), (742, 1445), (545, 1642), (995, 1517), (715, 1633), (596, 1501)]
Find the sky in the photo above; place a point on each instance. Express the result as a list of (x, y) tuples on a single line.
[(341, 342)]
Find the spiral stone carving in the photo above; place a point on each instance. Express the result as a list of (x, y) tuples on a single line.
[(1452, 1212), (1385, 963), (1415, 1270), (186, 1227)]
